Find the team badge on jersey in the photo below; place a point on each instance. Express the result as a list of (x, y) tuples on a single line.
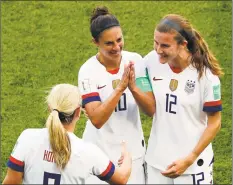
[(173, 84), (189, 86), (115, 83)]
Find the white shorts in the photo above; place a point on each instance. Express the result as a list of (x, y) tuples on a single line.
[(137, 174), (203, 177)]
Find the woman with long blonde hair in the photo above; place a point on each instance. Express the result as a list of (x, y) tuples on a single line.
[(56, 154)]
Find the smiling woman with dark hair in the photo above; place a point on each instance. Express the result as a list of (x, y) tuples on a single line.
[(112, 111)]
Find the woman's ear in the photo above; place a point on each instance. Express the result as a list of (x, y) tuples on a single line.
[(49, 109), (95, 42), (184, 43), (77, 112)]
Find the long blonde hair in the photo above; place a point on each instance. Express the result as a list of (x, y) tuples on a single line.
[(63, 100), (202, 57)]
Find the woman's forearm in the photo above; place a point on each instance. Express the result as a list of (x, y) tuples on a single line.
[(145, 101)]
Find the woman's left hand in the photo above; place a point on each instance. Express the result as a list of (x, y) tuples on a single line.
[(132, 83)]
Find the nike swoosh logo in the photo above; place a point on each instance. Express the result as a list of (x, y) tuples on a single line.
[(100, 87), (155, 79)]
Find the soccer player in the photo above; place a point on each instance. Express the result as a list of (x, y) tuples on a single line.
[(184, 77), (54, 155), (112, 111)]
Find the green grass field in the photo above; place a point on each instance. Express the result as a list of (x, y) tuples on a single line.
[(45, 43)]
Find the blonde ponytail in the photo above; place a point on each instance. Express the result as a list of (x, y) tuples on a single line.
[(63, 100), (59, 140)]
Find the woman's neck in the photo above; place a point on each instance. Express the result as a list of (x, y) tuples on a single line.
[(108, 63), (181, 61)]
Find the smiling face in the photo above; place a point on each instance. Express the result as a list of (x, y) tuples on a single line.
[(166, 46), (110, 43)]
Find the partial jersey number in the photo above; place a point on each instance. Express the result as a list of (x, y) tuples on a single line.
[(53, 177), (121, 106)]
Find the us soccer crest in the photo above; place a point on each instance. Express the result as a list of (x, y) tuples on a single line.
[(173, 84), (115, 83), (189, 86)]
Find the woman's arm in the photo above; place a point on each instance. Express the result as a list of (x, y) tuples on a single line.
[(13, 177), (144, 96), (99, 112), (213, 126)]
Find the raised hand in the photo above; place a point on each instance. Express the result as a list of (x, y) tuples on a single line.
[(132, 83), (123, 84)]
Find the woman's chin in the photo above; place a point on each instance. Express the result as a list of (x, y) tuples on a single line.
[(162, 60)]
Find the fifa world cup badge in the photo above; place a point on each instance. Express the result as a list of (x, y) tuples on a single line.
[(173, 84), (115, 83)]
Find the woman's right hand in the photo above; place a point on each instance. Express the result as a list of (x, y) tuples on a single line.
[(123, 84), (125, 155)]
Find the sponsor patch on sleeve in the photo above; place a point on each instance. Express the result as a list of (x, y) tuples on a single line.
[(216, 91)]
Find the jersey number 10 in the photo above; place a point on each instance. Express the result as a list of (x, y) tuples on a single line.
[(170, 100), (121, 106)]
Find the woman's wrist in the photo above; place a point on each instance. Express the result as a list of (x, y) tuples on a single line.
[(191, 158)]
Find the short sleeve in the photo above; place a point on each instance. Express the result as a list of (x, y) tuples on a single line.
[(103, 168), (212, 94), (18, 155), (88, 86)]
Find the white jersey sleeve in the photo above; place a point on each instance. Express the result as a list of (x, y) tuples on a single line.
[(87, 83), (103, 168), (18, 155), (142, 77), (212, 93)]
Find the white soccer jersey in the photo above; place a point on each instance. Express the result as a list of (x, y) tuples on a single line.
[(182, 103), (97, 84), (32, 155)]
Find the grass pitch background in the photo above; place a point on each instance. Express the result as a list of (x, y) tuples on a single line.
[(45, 43)]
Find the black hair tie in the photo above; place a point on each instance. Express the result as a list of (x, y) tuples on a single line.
[(56, 110)]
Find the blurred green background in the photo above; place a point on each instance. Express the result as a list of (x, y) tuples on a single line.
[(45, 43)]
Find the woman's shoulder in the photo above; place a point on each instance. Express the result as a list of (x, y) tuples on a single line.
[(79, 146), (90, 67), (32, 134), (209, 76), (151, 55), (131, 55)]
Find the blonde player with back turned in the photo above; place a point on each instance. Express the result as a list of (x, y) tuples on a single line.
[(54, 155)]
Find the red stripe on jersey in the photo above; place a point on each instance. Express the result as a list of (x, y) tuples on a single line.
[(90, 95), (114, 71), (212, 103), (107, 170), (16, 161)]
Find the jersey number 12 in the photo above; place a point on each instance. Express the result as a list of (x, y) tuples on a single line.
[(170, 100)]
